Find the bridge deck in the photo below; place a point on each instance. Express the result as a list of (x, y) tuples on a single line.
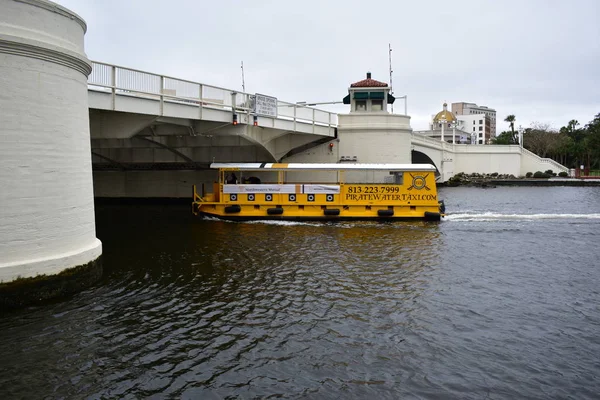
[(118, 88)]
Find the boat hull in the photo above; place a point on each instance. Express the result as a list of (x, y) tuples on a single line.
[(241, 213), (240, 218)]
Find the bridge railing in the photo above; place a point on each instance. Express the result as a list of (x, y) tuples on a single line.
[(548, 161), (416, 137), (438, 144), (121, 81)]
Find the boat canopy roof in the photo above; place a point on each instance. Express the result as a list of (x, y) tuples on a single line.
[(321, 167)]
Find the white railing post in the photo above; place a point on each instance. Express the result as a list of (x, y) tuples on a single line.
[(200, 97), (313, 118), (233, 103), (295, 117), (113, 84), (162, 96)]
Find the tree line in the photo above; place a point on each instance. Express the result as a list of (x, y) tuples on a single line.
[(572, 145)]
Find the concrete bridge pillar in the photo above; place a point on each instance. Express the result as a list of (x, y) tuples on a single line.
[(48, 243)]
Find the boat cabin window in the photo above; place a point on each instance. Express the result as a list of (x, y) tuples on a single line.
[(398, 177), (361, 105), (231, 178), (253, 180), (345, 176)]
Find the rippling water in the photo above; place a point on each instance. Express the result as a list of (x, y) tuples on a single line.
[(500, 300)]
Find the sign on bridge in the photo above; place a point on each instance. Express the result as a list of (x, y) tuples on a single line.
[(265, 106)]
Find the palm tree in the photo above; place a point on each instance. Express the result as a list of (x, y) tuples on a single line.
[(573, 124), (511, 121)]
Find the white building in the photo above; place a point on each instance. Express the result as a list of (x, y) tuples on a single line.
[(461, 129), (473, 109), (478, 126)]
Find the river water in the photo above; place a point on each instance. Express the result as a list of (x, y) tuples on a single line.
[(501, 300)]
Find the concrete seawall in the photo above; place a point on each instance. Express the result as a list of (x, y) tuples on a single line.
[(527, 182)]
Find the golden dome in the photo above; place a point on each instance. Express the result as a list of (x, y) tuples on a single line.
[(444, 115)]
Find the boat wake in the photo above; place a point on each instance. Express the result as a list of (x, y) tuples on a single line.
[(489, 216), (284, 223), (271, 222)]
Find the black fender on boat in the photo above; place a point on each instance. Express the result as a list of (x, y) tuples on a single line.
[(233, 209), (275, 211), (385, 213), (331, 211), (432, 216)]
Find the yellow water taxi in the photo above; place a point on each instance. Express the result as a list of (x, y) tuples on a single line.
[(303, 191)]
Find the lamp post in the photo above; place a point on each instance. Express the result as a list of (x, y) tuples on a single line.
[(520, 136), (443, 121), (454, 132)]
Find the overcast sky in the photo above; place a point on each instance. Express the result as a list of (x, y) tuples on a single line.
[(536, 59)]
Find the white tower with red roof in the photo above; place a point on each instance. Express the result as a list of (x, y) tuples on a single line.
[(369, 133)]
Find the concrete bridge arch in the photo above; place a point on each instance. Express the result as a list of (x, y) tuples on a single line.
[(420, 157)]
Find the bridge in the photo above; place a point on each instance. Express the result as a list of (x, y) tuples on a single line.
[(132, 109), (451, 159), (151, 136), (145, 121)]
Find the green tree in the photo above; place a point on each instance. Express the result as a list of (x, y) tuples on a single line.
[(511, 119), (539, 139), (575, 150), (592, 142), (571, 146), (562, 148), (572, 125), (505, 137), (570, 128)]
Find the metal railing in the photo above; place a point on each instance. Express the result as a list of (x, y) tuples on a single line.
[(121, 81)]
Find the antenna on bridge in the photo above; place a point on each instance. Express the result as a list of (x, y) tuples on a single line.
[(243, 83), (391, 87)]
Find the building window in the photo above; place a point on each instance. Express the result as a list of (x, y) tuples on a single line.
[(376, 105), (473, 122), (480, 121), (481, 135), (473, 129), (481, 142), (481, 128), (361, 105)]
